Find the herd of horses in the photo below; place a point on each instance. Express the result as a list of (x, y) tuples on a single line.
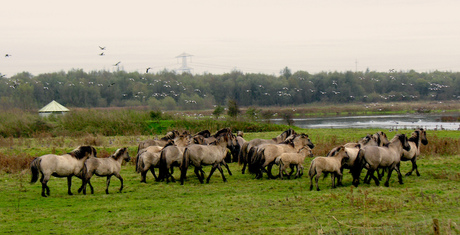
[(289, 149)]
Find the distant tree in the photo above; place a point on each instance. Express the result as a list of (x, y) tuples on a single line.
[(286, 72), (233, 109), (218, 111)]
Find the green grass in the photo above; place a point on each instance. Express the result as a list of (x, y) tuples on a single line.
[(243, 205)]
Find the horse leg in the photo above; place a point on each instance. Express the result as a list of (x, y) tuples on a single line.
[(226, 166), (415, 164), (152, 169), (317, 179), (90, 186), (212, 171), (269, 171), (340, 178), (221, 172), (244, 168), (333, 180), (197, 173), (399, 173), (387, 183), (311, 182), (69, 185), (143, 176), (45, 187), (107, 184), (121, 181)]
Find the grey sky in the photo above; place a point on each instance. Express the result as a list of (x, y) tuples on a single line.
[(249, 35)]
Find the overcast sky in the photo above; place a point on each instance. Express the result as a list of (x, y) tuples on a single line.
[(253, 36)]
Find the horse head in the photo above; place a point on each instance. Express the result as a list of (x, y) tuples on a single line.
[(422, 134), (307, 151), (404, 142), (122, 153)]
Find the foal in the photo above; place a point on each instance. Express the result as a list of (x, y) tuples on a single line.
[(105, 167)]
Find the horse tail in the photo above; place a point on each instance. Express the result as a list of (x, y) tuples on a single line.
[(184, 165), (34, 167), (312, 170), (162, 166), (139, 163), (358, 166), (252, 160), (243, 153)]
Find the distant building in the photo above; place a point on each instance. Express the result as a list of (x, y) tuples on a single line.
[(52, 108)]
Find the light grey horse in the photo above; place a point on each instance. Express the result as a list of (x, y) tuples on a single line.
[(104, 167), (375, 157), (66, 165), (202, 155)]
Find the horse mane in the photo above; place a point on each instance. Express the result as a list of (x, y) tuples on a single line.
[(170, 135), (170, 143), (415, 137), (222, 132), (81, 151), (118, 153), (335, 150), (204, 133)]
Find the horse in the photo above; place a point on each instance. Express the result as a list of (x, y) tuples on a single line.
[(417, 138), (352, 149), (243, 156), (66, 165), (381, 157), (147, 159), (292, 160), (332, 164), (171, 156), (265, 155), (104, 167), (202, 155)]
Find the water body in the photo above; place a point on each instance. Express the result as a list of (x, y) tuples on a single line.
[(389, 122)]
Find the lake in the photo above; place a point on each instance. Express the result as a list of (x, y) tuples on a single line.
[(390, 122)]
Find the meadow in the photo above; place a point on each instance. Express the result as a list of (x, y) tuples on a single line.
[(243, 205)]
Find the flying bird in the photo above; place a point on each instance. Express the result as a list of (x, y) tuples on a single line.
[(118, 63), (111, 84), (102, 54), (147, 70), (102, 48), (7, 55)]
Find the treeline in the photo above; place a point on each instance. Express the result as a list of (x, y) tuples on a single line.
[(167, 90)]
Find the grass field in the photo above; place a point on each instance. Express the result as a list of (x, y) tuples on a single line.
[(243, 205)]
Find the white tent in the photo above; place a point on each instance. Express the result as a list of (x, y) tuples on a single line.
[(53, 108)]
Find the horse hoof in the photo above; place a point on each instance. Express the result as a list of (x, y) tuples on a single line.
[(387, 185), (408, 173), (317, 189)]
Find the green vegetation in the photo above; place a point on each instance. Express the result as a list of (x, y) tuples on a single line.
[(243, 205)]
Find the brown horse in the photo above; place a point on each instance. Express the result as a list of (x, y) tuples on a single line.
[(417, 138), (104, 167), (147, 159), (202, 155), (375, 157), (66, 165), (171, 156)]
